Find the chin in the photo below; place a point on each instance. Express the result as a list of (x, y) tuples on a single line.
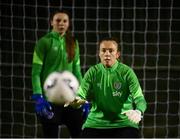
[(107, 65)]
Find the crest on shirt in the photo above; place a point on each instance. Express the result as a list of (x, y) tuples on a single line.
[(117, 85)]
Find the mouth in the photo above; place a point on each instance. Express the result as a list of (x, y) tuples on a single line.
[(61, 28), (107, 60)]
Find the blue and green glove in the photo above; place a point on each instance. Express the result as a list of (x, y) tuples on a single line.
[(85, 108), (42, 107)]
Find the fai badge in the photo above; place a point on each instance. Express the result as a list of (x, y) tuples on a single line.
[(117, 85)]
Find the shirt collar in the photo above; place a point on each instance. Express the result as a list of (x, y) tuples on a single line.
[(112, 68), (56, 35)]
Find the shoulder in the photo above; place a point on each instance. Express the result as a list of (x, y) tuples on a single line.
[(45, 38), (125, 69), (93, 70), (44, 42), (76, 42), (124, 66), (96, 67), (74, 38)]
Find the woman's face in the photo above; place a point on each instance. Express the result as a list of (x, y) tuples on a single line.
[(60, 23), (108, 53)]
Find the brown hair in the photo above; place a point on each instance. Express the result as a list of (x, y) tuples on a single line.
[(70, 45), (116, 40), (69, 38)]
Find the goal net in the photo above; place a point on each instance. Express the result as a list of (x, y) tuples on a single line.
[(149, 31)]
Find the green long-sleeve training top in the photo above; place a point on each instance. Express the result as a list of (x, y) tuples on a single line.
[(111, 92), (50, 55)]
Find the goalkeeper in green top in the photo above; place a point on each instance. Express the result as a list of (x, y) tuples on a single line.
[(58, 50), (115, 95)]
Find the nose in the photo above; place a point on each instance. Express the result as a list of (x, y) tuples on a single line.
[(107, 52), (61, 23)]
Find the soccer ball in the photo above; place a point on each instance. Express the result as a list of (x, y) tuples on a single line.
[(61, 87)]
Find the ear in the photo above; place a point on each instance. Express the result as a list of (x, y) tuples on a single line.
[(118, 54), (99, 52)]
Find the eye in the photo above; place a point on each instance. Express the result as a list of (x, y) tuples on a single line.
[(65, 21), (58, 20), (110, 50), (103, 50)]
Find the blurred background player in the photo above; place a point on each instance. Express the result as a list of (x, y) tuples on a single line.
[(115, 94), (58, 50)]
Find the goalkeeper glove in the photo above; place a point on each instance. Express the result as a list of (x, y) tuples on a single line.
[(42, 107), (85, 108), (133, 115), (78, 102)]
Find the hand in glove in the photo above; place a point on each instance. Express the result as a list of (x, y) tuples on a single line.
[(42, 107), (78, 102), (133, 115), (85, 108)]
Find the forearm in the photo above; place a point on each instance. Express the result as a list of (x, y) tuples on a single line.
[(141, 104), (36, 81)]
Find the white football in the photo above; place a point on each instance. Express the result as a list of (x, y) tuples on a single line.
[(61, 87)]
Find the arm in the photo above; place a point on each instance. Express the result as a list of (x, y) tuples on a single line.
[(83, 90), (138, 98), (42, 107), (86, 84), (136, 92), (37, 63)]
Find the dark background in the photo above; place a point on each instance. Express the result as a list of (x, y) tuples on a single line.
[(149, 31)]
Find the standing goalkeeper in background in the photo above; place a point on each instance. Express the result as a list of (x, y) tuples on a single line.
[(58, 50), (115, 95)]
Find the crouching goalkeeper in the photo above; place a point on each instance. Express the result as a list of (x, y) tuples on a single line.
[(115, 94)]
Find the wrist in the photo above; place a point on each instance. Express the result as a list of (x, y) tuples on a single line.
[(36, 96), (140, 113)]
